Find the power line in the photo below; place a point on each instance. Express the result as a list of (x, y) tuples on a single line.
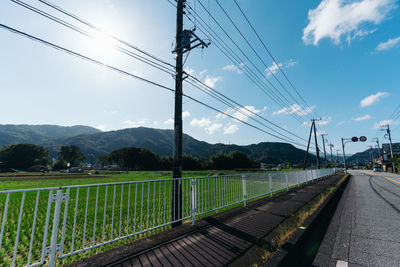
[(86, 58), (87, 34), (276, 97), (69, 14), (274, 60), (270, 54), (255, 52), (73, 27)]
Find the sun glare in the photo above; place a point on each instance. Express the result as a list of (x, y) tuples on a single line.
[(101, 45)]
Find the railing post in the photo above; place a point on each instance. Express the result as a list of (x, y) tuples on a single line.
[(297, 178), (54, 247), (270, 183), (244, 190), (193, 200), (287, 184)]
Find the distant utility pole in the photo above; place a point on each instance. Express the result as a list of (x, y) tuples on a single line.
[(391, 147), (379, 147), (331, 146), (308, 145), (371, 155), (316, 146), (323, 143), (337, 156), (344, 157), (312, 127), (183, 45)]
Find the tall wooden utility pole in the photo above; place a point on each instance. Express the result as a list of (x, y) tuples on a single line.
[(391, 147), (323, 142), (331, 146), (308, 145), (316, 146), (186, 40), (177, 153)]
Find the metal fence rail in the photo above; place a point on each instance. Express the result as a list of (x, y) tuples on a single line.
[(41, 226)]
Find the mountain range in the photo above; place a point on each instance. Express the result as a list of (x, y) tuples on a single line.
[(94, 142)]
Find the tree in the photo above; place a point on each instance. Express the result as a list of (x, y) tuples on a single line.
[(221, 161), (125, 157), (103, 160), (240, 160), (23, 156), (71, 154)]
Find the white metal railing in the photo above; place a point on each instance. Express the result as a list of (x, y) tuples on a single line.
[(39, 226)]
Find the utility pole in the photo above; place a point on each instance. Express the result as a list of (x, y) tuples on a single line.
[(391, 148), (371, 155), (308, 145), (331, 146), (323, 143), (177, 153), (316, 145), (183, 45), (344, 157), (337, 157)]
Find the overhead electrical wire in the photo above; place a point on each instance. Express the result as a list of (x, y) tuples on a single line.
[(277, 97), (97, 62), (245, 55), (275, 61), (240, 110), (256, 53)]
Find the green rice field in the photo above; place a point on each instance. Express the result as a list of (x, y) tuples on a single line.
[(101, 215)]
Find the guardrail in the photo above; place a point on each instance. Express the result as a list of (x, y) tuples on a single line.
[(44, 225)]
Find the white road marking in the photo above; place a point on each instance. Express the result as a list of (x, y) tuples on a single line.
[(341, 264)]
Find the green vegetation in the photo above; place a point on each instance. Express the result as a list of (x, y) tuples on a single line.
[(132, 158), (69, 156), (114, 202), (23, 157)]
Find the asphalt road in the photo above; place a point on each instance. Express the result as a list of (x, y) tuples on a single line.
[(365, 230)]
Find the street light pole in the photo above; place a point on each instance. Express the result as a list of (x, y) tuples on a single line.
[(344, 157)]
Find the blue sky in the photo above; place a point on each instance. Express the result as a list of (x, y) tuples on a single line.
[(342, 56)]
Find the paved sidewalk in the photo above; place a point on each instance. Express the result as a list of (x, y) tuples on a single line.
[(365, 228), (236, 241)]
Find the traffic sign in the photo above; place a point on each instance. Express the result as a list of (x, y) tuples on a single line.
[(363, 138), (354, 139)]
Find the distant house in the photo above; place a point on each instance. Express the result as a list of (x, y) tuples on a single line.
[(386, 155), (75, 170)]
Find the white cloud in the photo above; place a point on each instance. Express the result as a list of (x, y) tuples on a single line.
[(340, 123), (185, 114), (134, 124), (207, 124), (211, 81), (334, 18), (201, 74), (324, 121), (275, 67), (190, 71), (231, 129), (203, 122), (213, 128), (169, 121), (319, 133), (388, 44), (363, 118), (372, 99), (295, 108), (234, 68), (321, 122), (242, 113), (384, 123), (101, 127)]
